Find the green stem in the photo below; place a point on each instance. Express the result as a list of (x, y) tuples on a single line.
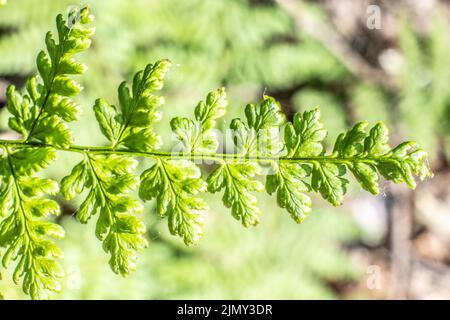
[(215, 157)]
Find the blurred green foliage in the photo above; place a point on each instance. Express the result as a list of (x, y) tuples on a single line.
[(424, 95)]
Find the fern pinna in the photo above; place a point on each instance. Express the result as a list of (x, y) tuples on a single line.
[(296, 163)]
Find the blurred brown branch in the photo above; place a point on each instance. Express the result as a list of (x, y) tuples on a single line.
[(333, 41), (400, 229)]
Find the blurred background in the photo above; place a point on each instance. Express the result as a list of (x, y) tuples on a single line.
[(356, 60)]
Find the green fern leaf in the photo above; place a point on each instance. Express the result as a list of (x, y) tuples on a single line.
[(259, 136), (304, 136), (291, 189), (255, 138), (25, 231), (238, 181), (40, 113), (131, 128), (197, 136), (108, 179), (328, 179), (174, 184)]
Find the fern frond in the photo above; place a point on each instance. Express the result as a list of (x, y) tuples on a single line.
[(294, 154)]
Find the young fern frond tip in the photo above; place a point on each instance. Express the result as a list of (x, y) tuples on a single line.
[(107, 175), (41, 113)]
